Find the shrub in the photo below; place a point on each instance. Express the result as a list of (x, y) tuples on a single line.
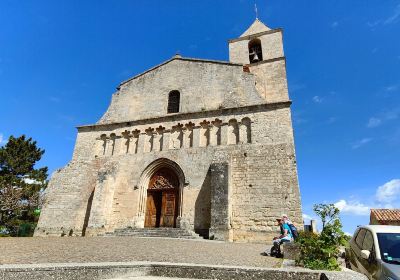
[(320, 251)]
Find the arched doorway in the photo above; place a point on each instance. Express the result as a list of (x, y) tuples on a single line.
[(162, 199)]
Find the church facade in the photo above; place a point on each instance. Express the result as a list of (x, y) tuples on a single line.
[(196, 144)]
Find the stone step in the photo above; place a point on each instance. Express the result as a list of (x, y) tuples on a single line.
[(154, 232)]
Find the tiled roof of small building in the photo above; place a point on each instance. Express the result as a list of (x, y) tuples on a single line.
[(386, 214)]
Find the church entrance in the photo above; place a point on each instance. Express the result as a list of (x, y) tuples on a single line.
[(162, 199)]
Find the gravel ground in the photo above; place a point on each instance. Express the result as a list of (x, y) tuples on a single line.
[(127, 249), (152, 278)]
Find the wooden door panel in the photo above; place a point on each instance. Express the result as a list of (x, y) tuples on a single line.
[(168, 210), (151, 212)]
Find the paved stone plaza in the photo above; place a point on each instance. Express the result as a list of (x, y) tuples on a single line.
[(128, 249), (151, 278)]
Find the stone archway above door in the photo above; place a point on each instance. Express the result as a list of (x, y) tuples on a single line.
[(162, 199), (156, 177)]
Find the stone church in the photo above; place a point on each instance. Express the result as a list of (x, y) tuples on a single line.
[(200, 145)]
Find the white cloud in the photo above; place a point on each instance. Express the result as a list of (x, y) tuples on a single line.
[(307, 217), (384, 116), (30, 181), (2, 140), (317, 99), (389, 192), (374, 23), (352, 207), (293, 87), (298, 117), (385, 196), (394, 17), (361, 143), (392, 88), (374, 122), (392, 115), (54, 99)]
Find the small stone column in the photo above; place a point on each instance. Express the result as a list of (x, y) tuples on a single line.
[(149, 137), (125, 142), (140, 142), (196, 136), (158, 139), (111, 144), (188, 135), (101, 144), (135, 142), (166, 140), (224, 134), (176, 140), (233, 132), (215, 133), (204, 134)]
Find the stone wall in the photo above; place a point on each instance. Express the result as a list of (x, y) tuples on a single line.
[(187, 271), (375, 221), (261, 175), (203, 85)]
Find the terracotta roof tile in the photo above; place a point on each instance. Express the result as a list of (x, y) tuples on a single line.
[(389, 215)]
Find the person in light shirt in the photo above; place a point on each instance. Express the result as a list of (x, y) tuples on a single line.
[(286, 236)]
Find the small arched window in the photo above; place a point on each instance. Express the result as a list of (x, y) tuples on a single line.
[(173, 102), (255, 51)]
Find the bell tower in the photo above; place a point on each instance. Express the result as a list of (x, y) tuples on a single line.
[(261, 49), (257, 43)]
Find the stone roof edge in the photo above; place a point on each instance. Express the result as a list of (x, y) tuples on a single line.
[(255, 35), (267, 61), (186, 115), (179, 58)]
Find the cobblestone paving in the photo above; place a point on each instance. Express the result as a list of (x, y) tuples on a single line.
[(124, 249)]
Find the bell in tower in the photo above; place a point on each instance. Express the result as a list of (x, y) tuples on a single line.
[(257, 44), (255, 51)]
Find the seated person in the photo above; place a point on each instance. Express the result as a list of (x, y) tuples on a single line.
[(286, 236)]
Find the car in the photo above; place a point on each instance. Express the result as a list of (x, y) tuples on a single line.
[(374, 251)]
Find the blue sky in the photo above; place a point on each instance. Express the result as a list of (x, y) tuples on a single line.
[(60, 61)]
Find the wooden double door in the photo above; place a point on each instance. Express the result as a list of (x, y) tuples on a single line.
[(162, 200)]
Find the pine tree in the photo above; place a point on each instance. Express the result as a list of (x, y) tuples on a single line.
[(20, 184)]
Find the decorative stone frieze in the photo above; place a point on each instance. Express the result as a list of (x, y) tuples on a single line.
[(181, 136)]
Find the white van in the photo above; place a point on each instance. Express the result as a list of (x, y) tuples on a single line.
[(375, 252)]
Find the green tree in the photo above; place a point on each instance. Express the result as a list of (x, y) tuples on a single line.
[(327, 213), (320, 251), (20, 184)]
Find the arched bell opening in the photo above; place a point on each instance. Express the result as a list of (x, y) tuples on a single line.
[(161, 192), (255, 51)]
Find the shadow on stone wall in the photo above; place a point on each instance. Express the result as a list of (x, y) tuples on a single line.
[(202, 212)]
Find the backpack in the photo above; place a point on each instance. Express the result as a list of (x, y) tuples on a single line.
[(293, 229), (276, 252)]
